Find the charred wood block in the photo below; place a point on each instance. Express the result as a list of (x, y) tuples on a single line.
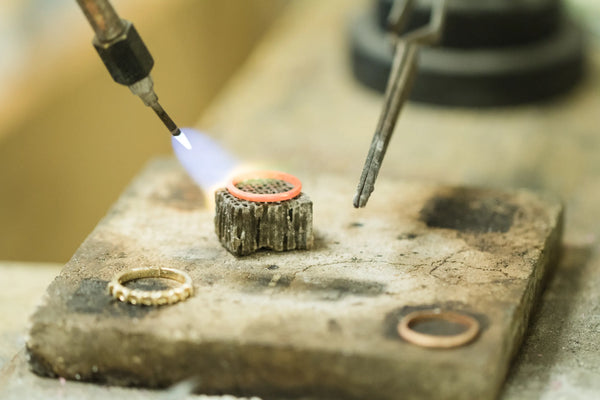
[(244, 227)]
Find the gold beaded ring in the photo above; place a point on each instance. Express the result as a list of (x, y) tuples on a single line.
[(405, 329), (151, 297)]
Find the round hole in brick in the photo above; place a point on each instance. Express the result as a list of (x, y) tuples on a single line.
[(438, 327)]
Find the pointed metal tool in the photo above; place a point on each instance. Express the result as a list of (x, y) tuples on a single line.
[(402, 74)]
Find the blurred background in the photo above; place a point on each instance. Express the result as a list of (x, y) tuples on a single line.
[(70, 138)]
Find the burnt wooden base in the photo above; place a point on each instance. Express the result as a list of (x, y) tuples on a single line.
[(244, 226)]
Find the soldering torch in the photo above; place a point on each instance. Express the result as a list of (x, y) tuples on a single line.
[(126, 57)]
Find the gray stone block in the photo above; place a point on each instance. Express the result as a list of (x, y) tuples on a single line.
[(318, 323)]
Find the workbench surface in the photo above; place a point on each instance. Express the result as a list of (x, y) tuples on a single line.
[(295, 102)]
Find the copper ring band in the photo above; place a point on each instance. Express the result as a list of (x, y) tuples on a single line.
[(266, 197), (406, 331), (151, 297)]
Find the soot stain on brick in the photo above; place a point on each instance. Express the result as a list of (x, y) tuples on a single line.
[(322, 288), (320, 241), (407, 236), (333, 326), (392, 318), (39, 364), (183, 195), (92, 297), (337, 288), (254, 283), (470, 211)]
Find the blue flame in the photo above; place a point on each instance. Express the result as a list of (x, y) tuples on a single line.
[(183, 140), (204, 159)]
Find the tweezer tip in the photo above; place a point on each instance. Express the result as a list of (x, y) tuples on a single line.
[(360, 199)]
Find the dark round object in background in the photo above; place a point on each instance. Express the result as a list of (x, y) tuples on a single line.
[(485, 23), (476, 76)]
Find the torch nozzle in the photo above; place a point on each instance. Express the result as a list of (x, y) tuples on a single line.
[(164, 117)]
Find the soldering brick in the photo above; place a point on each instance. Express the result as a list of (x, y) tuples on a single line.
[(316, 324), (244, 227)]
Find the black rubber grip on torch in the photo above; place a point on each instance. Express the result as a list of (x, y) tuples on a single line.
[(127, 58)]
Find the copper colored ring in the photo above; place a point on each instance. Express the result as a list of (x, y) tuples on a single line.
[(265, 197), (438, 341)]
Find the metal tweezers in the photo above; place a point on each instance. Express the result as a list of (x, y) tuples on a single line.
[(402, 74)]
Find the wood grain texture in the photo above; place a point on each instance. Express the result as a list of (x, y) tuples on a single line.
[(244, 227)]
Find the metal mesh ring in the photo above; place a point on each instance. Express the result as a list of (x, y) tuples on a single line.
[(265, 186)]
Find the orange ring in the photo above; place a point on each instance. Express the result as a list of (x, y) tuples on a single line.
[(265, 197), (438, 341)]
